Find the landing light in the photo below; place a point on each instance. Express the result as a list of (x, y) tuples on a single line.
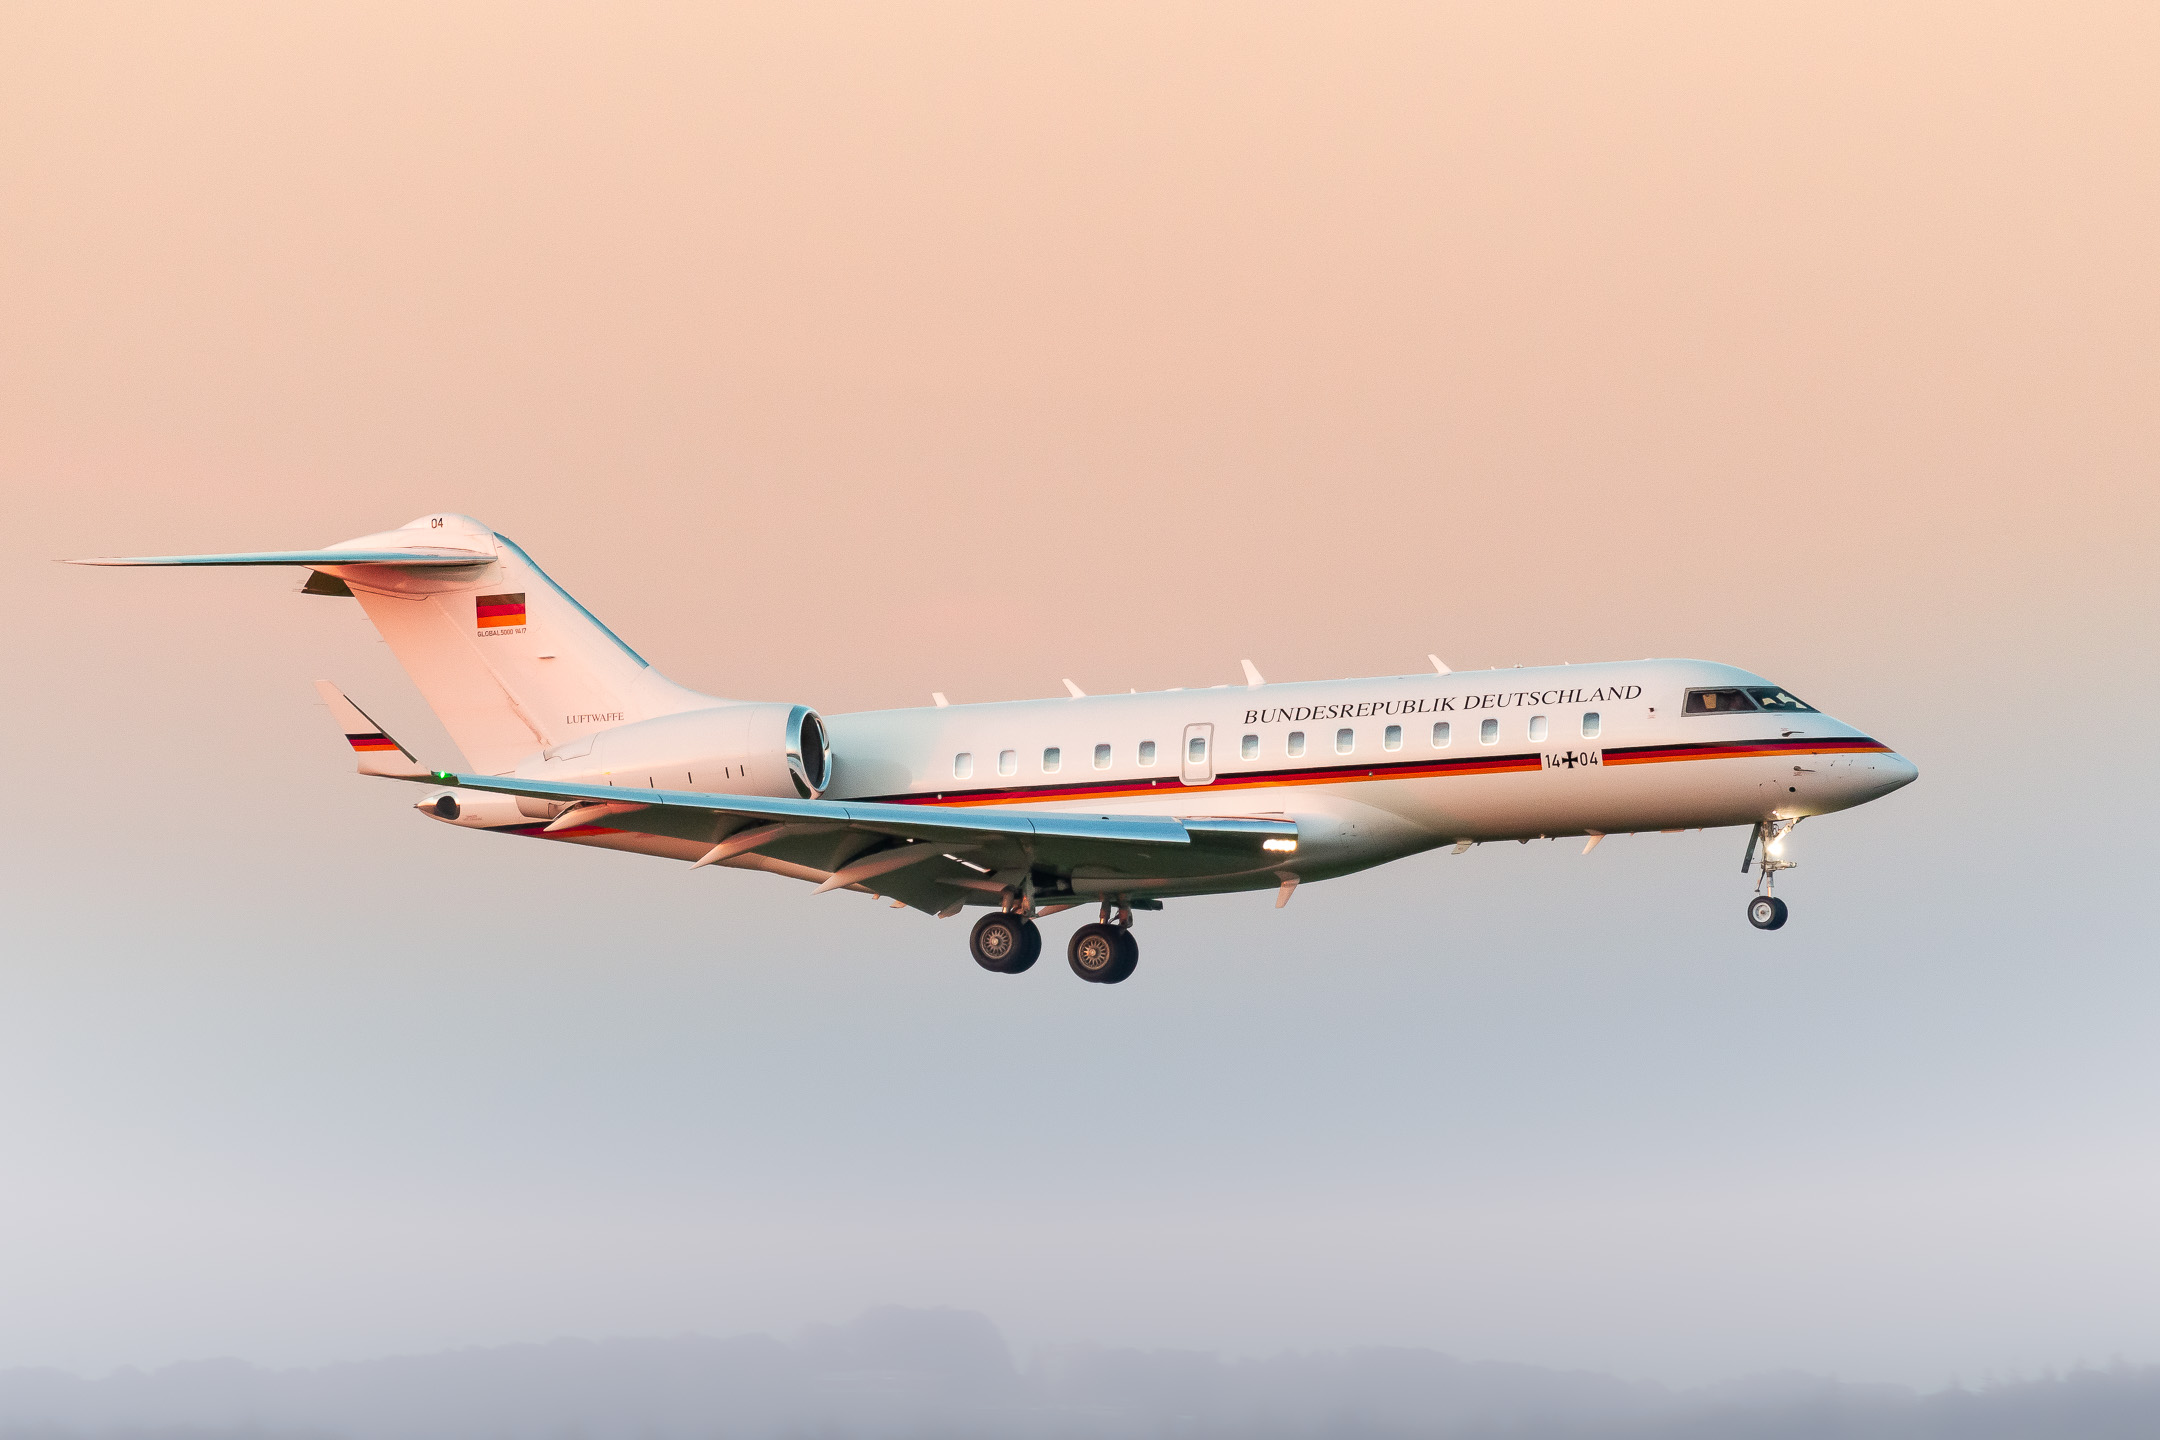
[(1282, 846), (1777, 846)]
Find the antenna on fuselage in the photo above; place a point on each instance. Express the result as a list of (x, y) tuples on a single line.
[(1252, 676), (1075, 691), (1437, 666), (937, 698)]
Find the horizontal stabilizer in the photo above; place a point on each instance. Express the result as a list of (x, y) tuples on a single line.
[(314, 559), (377, 753)]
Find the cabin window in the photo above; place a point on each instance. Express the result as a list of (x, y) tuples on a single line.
[(1052, 758), (1442, 733), (1590, 725), (1488, 732), (1772, 698), (1008, 761), (1391, 738), (1718, 702), (1537, 729), (963, 765), (1249, 748), (1345, 741), (1196, 749), (1147, 752), (1296, 747), (1102, 757)]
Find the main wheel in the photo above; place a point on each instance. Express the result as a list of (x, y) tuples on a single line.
[(1766, 912), (1128, 958), (1030, 948), (1096, 953), (1004, 943)]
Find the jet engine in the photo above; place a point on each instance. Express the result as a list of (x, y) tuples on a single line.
[(751, 749)]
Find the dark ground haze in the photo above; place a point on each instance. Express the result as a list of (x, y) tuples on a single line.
[(901, 1372)]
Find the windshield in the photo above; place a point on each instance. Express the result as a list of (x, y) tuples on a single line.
[(1718, 702), (1772, 698)]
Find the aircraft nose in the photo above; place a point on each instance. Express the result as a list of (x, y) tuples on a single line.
[(1894, 772)]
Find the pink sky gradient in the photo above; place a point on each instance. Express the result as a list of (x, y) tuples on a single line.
[(841, 354)]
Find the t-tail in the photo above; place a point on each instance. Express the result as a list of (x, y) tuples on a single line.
[(509, 662)]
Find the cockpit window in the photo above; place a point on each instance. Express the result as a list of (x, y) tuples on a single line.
[(1717, 702), (1772, 698)]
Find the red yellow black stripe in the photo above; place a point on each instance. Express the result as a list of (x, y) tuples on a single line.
[(1742, 749), (1393, 770), (496, 612), (376, 741), (1240, 780)]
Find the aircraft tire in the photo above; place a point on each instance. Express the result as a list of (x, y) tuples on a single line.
[(1128, 959), (1766, 912), (1000, 943), (1096, 954), (1030, 949)]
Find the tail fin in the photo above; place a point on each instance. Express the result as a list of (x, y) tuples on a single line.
[(506, 659)]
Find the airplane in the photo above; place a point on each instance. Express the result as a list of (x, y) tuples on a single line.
[(1031, 807)]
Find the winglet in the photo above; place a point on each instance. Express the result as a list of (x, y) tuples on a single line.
[(378, 753)]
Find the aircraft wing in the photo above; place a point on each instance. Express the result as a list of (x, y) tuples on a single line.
[(929, 856)]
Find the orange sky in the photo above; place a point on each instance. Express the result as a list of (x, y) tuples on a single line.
[(879, 348)]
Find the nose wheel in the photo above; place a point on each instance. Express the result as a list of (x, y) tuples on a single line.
[(1766, 912)]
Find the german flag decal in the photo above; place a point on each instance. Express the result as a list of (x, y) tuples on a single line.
[(500, 612), (375, 741)]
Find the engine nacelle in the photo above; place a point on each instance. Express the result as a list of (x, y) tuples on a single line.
[(775, 750)]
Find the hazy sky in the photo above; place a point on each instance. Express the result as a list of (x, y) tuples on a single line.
[(837, 355)]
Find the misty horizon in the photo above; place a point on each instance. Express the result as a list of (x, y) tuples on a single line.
[(843, 355), (897, 1371)]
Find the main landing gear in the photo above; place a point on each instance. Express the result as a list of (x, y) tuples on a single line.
[(1005, 943), (1103, 954), (1766, 911)]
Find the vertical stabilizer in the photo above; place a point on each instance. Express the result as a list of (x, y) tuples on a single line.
[(507, 660)]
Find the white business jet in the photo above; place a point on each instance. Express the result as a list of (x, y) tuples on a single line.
[(1030, 807)]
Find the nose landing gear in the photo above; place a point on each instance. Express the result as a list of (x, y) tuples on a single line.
[(1766, 911)]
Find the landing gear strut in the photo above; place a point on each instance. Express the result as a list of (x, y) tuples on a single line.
[(1766, 911), (1004, 943)]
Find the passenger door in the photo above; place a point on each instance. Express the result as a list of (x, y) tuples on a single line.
[(1196, 760)]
